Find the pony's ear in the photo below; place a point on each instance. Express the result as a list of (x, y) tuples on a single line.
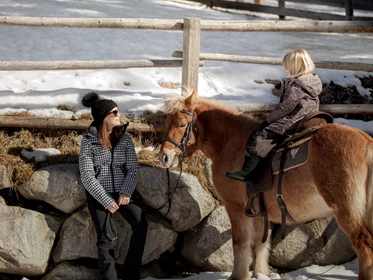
[(191, 100)]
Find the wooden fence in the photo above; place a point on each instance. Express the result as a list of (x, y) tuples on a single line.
[(282, 11), (191, 58)]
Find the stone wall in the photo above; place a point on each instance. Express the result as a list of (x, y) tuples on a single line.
[(44, 245)]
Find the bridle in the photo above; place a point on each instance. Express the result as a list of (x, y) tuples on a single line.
[(186, 137), (181, 146)]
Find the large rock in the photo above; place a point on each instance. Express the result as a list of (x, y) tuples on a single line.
[(26, 240), (4, 179), (78, 239), (65, 270), (190, 203), (209, 245), (320, 242), (59, 185)]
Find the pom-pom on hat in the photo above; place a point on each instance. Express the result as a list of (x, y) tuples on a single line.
[(100, 108)]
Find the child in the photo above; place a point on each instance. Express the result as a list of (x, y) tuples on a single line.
[(299, 97)]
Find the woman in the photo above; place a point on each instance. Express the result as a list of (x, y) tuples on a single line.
[(300, 92), (108, 170)]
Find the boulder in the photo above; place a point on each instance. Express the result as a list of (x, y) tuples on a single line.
[(59, 185), (320, 242), (78, 239), (26, 240), (65, 270), (189, 203), (209, 245)]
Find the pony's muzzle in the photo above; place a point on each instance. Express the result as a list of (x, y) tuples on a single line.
[(168, 159)]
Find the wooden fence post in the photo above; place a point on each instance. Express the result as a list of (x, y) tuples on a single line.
[(191, 50), (349, 10), (281, 6)]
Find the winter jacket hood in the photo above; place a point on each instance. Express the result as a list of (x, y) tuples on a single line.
[(310, 85)]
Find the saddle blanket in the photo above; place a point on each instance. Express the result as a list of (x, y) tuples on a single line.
[(295, 157)]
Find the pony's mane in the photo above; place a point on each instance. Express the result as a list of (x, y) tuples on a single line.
[(175, 103)]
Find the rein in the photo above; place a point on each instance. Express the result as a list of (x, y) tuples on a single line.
[(181, 146)]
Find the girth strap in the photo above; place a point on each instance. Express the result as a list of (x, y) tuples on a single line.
[(280, 201)]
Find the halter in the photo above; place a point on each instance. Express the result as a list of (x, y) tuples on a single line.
[(181, 146), (186, 136)]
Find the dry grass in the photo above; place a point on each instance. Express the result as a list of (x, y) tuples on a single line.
[(20, 169)]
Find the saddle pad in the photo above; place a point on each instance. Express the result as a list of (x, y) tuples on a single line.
[(295, 157)]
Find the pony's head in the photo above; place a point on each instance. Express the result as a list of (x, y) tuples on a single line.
[(181, 133)]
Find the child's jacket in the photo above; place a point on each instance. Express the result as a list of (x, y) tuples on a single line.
[(299, 97)]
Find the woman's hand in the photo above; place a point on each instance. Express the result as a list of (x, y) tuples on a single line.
[(124, 199), (113, 207)]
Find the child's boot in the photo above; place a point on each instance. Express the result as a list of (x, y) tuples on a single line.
[(249, 164)]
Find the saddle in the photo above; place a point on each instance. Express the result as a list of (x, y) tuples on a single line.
[(288, 154)]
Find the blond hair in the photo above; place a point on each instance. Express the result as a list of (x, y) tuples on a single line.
[(297, 63)]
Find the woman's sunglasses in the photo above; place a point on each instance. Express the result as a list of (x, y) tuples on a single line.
[(115, 113)]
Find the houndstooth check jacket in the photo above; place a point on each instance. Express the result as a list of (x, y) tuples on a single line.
[(104, 172)]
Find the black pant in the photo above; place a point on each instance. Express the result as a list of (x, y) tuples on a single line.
[(135, 216)]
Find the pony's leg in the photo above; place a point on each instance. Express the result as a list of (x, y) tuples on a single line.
[(261, 249), (361, 239), (242, 238), (354, 215), (353, 209)]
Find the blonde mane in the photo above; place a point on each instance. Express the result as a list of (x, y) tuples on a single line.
[(175, 103)]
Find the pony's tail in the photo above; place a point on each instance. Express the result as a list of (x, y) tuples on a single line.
[(369, 188)]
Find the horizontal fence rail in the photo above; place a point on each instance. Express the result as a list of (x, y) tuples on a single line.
[(278, 61), (334, 109), (355, 4), (86, 65), (206, 25), (282, 11), (57, 123)]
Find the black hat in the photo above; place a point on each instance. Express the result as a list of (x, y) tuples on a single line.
[(100, 108)]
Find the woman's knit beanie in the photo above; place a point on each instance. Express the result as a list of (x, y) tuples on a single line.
[(100, 108)]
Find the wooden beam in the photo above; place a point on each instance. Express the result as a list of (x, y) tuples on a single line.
[(335, 3), (288, 26), (280, 10), (191, 49), (348, 9), (355, 66), (85, 65), (206, 25), (334, 109), (56, 123), (123, 23)]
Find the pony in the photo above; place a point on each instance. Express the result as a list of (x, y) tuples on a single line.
[(337, 178)]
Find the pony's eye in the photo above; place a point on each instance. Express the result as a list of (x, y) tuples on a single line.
[(182, 125)]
